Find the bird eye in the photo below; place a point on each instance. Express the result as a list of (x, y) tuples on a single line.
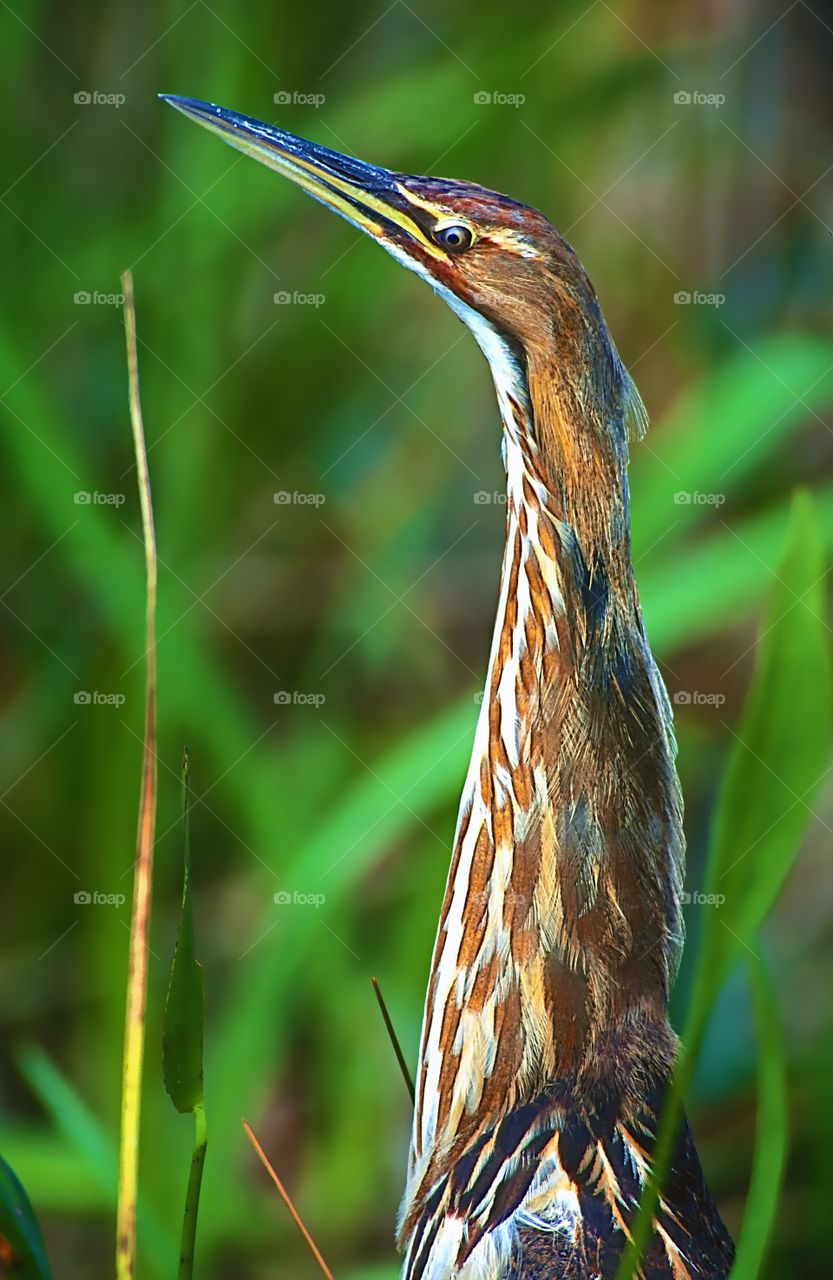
[(455, 238)]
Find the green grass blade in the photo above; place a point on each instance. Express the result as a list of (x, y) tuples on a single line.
[(775, 768), (182, 1033), (779, 758), (182, 1038), (21, 1243), (192, 1196), (772, 1127)]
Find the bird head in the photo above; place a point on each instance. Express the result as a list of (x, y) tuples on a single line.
[(483, 252), (516, 283)]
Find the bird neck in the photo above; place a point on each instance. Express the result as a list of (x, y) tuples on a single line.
[(560, 925)]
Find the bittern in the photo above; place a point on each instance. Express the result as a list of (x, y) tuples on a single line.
[(546, 1049)]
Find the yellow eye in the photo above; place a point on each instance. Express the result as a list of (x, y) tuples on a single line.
[(455, 237)]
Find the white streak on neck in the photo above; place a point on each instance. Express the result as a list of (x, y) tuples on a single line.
[(509, 380)]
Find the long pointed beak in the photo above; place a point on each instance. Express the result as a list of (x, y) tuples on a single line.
[(369, 197)]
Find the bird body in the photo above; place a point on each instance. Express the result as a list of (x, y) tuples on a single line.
[(546, 1049)]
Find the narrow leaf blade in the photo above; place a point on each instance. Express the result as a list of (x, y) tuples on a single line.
[(780, 752), (182, 1035), (772, 1127)]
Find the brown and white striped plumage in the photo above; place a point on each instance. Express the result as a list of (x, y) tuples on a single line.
[(546, 1048), (560, 930)]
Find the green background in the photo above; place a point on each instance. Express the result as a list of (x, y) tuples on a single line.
[(369, 609)]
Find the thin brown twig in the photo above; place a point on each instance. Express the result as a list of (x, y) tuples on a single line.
[(397, 1048), (137, 978), (264, 1159)]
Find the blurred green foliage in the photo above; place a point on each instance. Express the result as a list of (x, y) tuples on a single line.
[(759, 819), (379, 600)]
